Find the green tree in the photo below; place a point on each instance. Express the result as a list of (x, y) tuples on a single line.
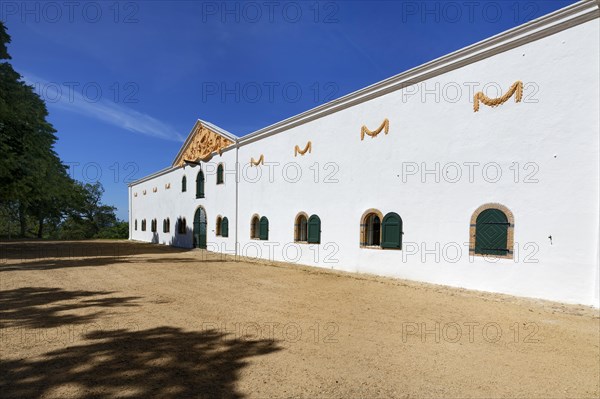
[(89, 217), (35, 189), (29, 163)]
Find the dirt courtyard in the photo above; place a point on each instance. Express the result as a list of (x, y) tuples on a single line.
[(104, 319)]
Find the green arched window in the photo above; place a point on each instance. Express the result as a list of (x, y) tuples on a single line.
[(391, 231), (183, 184), (264, 228), (491, 233), (143, 224), (200, 185), (314, 230), (225, 227), (220, 174)]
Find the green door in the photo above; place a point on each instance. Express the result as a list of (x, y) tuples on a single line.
[(491, 233), (391, 231), (314, 230), (200, 228), (264, 228)]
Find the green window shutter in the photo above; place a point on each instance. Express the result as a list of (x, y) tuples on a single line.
[(314, 230), (183, 184), (391, 231), (225, 227), (200, 185), (491, 233), (264, 228), (220, 174)]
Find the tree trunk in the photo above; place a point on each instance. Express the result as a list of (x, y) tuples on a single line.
[(22, 220), (40, 228)]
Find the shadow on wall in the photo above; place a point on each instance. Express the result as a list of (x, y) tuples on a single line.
[(154, 238), (164, 362), (182, 240)]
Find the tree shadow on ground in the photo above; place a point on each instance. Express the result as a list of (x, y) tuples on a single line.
[(62, 263), (32, 250), (42, 307), (162, 362)]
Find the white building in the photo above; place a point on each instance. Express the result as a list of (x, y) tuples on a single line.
[(406, 178)]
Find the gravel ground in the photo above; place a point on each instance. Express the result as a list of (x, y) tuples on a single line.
[(104, 319)]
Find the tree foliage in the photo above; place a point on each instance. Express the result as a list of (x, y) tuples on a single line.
[(37, 196)]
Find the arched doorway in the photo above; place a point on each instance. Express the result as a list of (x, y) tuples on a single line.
[(200, 228)]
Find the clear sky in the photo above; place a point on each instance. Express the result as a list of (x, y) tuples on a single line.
[(125, 81)]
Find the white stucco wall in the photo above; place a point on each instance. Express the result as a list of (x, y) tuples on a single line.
[(546, 147), (173, 203)]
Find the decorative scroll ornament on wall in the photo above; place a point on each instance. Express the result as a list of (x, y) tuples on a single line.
[(168, 186), (144, 192), (135, 194), (516, 89), (261, 160), (385, 126), (308, 148), (155, 189)]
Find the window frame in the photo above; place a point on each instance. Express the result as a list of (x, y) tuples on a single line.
[(364, 229), (299, 237), (218, 231), (254, 227)]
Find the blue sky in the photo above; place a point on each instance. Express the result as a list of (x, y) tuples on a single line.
[(125, 81)]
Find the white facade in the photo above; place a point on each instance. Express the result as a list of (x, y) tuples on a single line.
[(437, 164)]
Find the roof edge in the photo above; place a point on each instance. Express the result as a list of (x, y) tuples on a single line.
[(564, 18), (152, 176)]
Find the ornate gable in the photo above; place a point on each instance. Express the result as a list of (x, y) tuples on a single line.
[(201, 143)]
